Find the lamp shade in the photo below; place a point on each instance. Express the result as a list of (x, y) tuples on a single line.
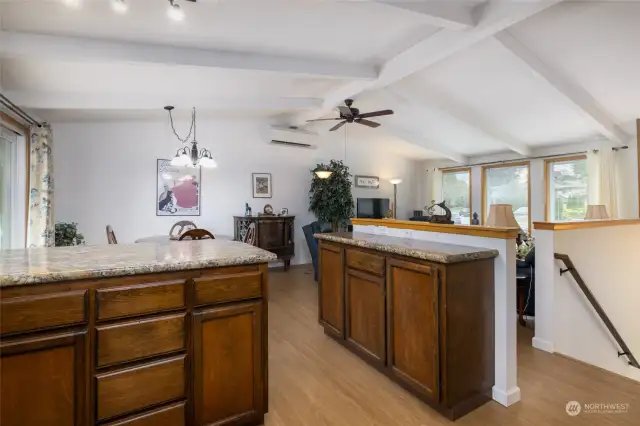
[(596, 212), (501, 215), (323, 174), (395, 181)]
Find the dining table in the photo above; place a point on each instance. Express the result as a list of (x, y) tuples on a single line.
[(159, 239)]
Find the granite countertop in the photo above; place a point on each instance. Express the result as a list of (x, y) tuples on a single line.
[(419, 249), (43, 265)]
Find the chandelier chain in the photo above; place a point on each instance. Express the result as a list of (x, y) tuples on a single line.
[(191, 129)]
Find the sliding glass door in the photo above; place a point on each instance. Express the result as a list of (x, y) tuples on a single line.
[(6, 162)]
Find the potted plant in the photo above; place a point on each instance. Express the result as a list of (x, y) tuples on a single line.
[(67, 234), (330, 199)]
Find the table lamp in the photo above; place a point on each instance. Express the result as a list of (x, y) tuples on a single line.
[(395, 182), (501, 215), (596, 212)]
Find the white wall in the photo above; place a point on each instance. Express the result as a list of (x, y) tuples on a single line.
[(607, 260), (627, 177), (105, 173)]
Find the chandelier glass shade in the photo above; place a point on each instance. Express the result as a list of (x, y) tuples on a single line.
[(190, 156)]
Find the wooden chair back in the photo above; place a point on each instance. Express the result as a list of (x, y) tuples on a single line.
[(180, 228), (111, 236), (197, 234)]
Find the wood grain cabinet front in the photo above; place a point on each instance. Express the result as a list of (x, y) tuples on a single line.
[(170, 415), (229, 361), (136, 388), (412, 308), (365, 315), (331, 289), (140, 299), (139, 339), (44, 381)]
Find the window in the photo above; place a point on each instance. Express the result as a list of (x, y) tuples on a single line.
[(7, 163), (508, 184), (566, 188), (456, 191), (13, 187)]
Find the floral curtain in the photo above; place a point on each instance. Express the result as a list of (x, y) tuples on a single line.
[(41, 232)]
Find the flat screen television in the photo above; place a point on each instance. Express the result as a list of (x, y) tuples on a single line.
[(372, 208)]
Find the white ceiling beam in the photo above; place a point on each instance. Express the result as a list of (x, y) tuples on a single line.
[(580, 99), (461, 113), (19, 44), (439, 13), (413, 136), (107, 101), (496, 16)]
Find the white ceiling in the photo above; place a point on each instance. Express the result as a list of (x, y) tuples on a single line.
[(464, 78)]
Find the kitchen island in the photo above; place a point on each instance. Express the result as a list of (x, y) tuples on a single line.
[(136, 335), (421, 312)]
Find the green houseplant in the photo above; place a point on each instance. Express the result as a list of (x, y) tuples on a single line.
[(330, 199), (67, 234)]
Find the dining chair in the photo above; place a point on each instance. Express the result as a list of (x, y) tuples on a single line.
[(181, 227), (197, 234), (111, 236)]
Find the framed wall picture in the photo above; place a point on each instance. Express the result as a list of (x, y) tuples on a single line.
[(261, 185), (177, 190), (372, 182)]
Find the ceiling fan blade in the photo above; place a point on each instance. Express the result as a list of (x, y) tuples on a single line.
[(337, 126), (368, 123), (346, 111), (376, 113), (323, 119)]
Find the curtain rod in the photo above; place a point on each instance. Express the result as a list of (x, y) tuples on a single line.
[(526, 159), (18, 111)]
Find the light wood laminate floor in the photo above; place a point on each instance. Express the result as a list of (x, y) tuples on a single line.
[(314, 381)]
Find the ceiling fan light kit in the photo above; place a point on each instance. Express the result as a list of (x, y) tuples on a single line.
[(190, 156), (348, 114)]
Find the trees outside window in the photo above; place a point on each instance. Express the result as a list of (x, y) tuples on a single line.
[(456, 191), (508, 184), (566, 188)]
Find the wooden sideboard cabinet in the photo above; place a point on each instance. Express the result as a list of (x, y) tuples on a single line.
[(175, 349), (427, 326), (272, 233)]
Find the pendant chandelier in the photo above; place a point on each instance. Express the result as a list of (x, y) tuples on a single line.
[(190, 156)]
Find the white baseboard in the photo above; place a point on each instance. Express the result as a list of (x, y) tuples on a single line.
[(507, 398), (543, 345)]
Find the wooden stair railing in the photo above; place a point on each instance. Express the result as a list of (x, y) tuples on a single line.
[(570, 267)]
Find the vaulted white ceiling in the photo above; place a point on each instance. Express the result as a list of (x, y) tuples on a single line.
[(464, 77)]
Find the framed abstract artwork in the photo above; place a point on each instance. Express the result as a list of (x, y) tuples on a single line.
[(261, 185), (177, 190)]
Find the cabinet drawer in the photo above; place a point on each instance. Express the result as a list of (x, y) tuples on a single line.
[(223, 288), (171, 415), (44, 311), (132, 389), (140, 339), (365, 261), (139, 299)]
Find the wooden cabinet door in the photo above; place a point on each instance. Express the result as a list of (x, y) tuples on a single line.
[(365, 314), (412, 310), (228, 365), (331, 289), (44, 381), (271, 234)]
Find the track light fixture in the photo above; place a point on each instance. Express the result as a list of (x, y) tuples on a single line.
[(174, 12), (119, 6)]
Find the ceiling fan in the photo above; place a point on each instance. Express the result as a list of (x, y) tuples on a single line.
[(352, 115)]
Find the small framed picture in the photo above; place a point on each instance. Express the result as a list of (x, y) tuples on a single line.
[(261, 185), (284, 211), (372, 182)]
